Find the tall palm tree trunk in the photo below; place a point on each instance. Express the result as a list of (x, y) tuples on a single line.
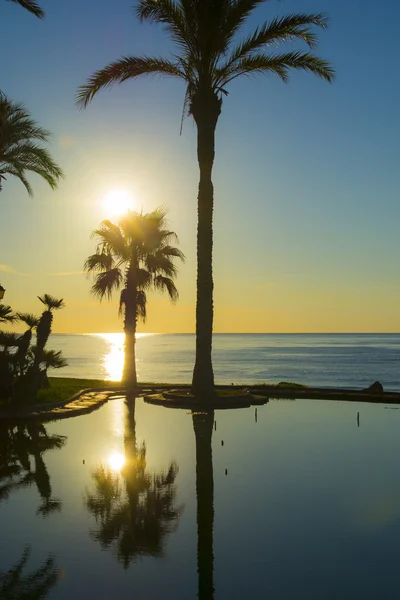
[(203, 428), (206, 108)]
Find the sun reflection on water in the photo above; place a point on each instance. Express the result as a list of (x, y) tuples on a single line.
[(116, 461), (113, 359)]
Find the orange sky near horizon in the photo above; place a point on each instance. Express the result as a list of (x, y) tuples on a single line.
[(271, 308)]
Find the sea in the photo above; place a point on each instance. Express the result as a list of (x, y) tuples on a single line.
[(326, 360)]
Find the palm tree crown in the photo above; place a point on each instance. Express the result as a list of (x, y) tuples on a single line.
[(205, 32), (19, 148), (136, 251), (51, 303), (30, 6), (136, 255)]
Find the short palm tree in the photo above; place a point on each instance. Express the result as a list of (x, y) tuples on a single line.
[(21, 355), (43, 329), (30, 6), (136, 255), (208, 58), (37, 371), (20, 151)]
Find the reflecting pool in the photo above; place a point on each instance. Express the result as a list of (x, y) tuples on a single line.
[(294, 499)]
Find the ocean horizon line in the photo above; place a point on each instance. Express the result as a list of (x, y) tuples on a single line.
[(144, 334)]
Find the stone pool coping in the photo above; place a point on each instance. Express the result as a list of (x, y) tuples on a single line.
[(173, 396), (258, 395), (83, 402)]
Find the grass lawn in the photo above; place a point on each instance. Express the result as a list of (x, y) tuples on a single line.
[(62, 388)]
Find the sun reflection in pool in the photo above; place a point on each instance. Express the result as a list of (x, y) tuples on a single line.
[(116, 461)]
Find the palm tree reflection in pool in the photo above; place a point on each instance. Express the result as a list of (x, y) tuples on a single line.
[(135, 509), (203, 423), (15, 585), (18, 444)]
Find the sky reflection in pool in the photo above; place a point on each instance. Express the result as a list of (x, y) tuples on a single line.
[(302, 502)]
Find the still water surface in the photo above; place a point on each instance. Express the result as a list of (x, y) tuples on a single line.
[(294, 501)]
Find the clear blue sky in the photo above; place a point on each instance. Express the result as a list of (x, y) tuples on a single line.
[(307, 205)]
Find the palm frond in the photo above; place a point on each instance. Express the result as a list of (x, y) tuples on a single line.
[(20, 175), (107, 282), (51, 302), (144, 279), (27, 156), (277, 31), (6, 314), (172, 251), (158, 263), (237, 15), (53, 360), (122, 301), (280, 64), (122, 70), (29, 319), (165, 284), (171, 16), (30, 6), (101, 261), (19, 152), (110, 240), (141, 303), (17, 124), (9, 340)]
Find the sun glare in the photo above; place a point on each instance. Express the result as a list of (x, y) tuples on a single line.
[(116, 461), (113, 358), (118, 201)]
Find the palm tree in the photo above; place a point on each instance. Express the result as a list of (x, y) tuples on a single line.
[(136, 255), (208, 57), (37, 376), (43, 329), (25, 340), (7, 341), (19, 148), (31, 6)]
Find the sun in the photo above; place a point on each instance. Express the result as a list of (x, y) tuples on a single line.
[(118, 201)]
